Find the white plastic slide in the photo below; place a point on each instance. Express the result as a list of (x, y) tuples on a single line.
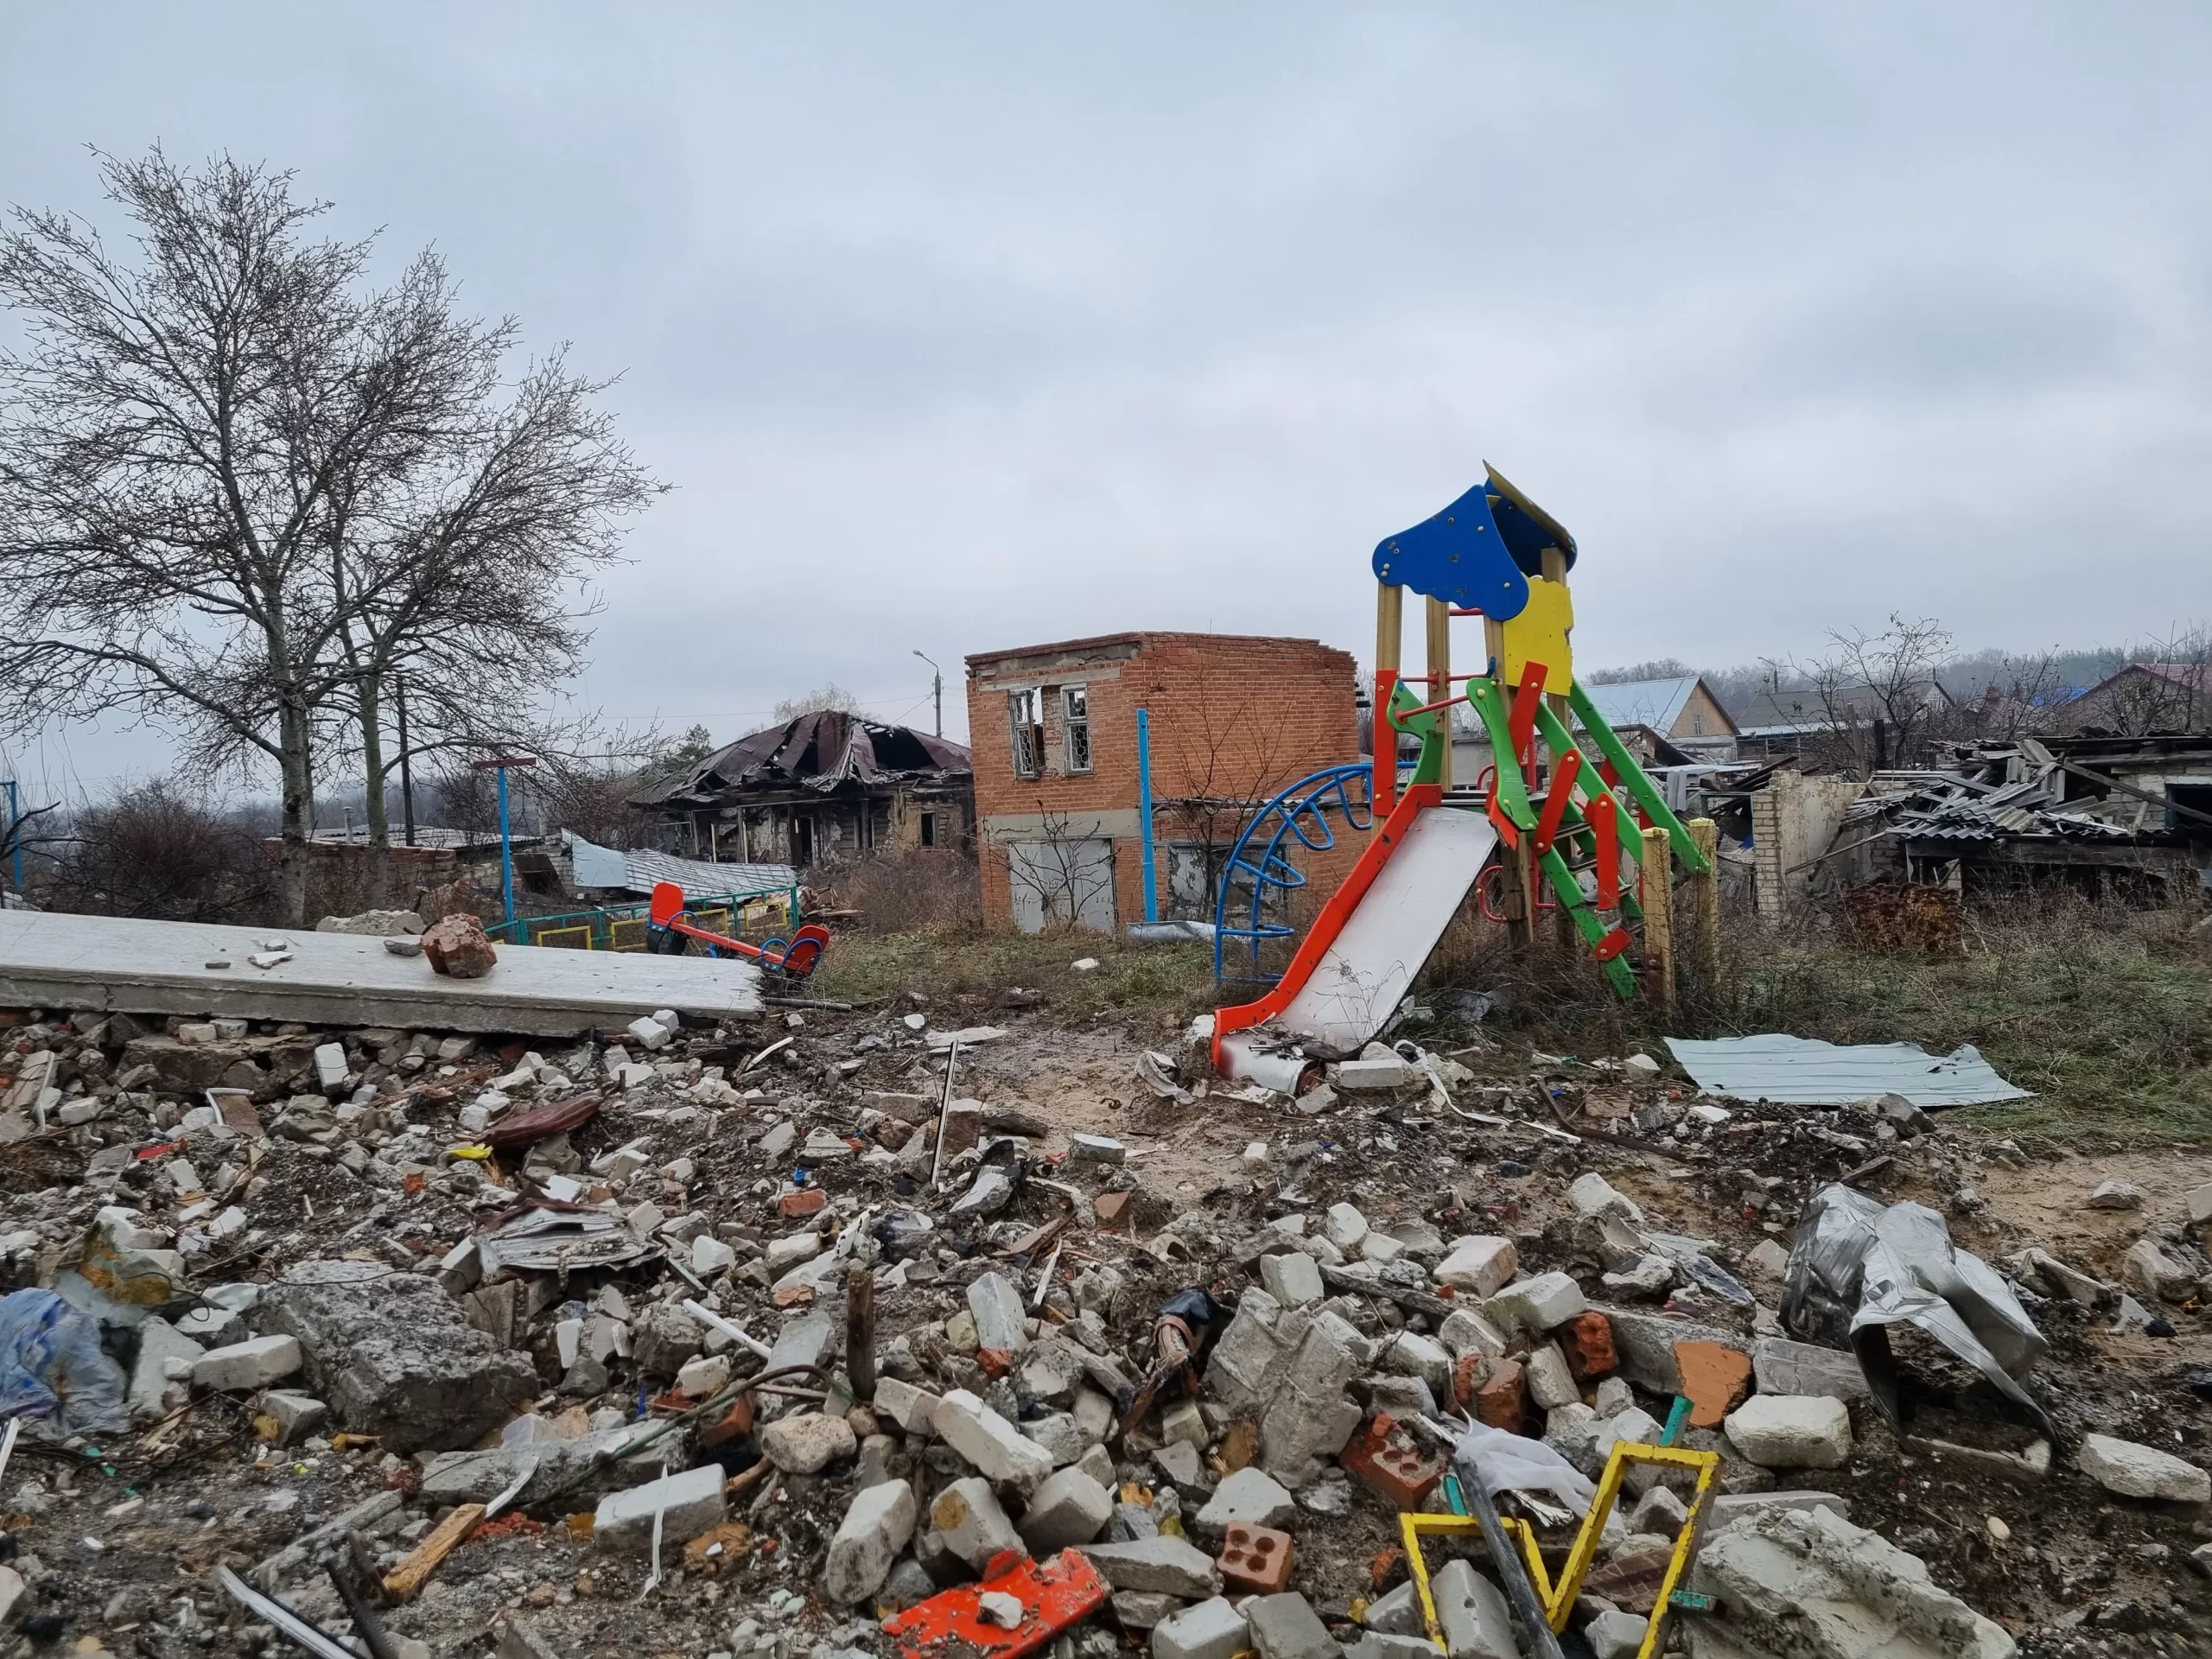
[(1363, 973)]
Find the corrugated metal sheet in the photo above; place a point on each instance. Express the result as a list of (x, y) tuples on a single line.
[(640, 871), (1804, 1071)]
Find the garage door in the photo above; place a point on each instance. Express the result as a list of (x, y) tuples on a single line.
[(1062, 884)]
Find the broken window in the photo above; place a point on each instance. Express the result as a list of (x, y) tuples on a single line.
[(1026, 714), (1075, 726)]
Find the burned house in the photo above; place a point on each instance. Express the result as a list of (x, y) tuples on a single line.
[(823, 786)]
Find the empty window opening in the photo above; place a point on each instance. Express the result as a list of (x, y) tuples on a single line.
[(1026, 715), (929, 829), (1075, 726)]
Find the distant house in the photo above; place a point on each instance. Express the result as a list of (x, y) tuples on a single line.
[(1232, 719), (824, 784), (1681, 714), (2145, 699)]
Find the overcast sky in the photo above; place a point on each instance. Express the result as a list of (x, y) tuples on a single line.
[(958, 327)]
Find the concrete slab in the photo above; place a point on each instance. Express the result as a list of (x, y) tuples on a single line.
[(115, 965)]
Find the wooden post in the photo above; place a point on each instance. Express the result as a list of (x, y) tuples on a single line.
[(1659, 916), (1705, 905), (1389, 641), (859, 1331), (1438, 618), (1561, 675), (1517, 893)]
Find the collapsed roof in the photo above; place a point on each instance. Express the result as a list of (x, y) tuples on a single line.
[(817, 752)]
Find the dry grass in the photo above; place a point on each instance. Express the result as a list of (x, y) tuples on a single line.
[(965, 972), (2105, 1013), (902, 892)]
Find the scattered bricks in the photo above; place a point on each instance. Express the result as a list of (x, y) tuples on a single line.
[(996, 1306), (1096, 1149), (688, 1504), (877, 1524), (1249, 1497), (2133, 1470), (992, 1445), (1070, 1508), (1207, 1630), (1139, 1610), (1777, 1431), (904, 1404), (254, 1363), (1615, 1635), (1592, 1195), (1292, 1280), (1480, 1266), (1550, 1383), (1782, 1366), (1110, 1207), (1255, 1560), (1716, 1377), (295, 1414), (969, 1520), (1587, 1341), (807, 1443), (1473, 1611), (1503, 1399), (1169, 1566), (649, 1033), (1384, 1460), (1414, 1355), (1375, 1077), (807, 1201), (1643, 1342), (1285, 1626), (455, 946), (1467, 1377), (1539, 1303), (1465, 1332)]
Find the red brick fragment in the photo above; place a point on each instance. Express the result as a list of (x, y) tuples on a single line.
[(1383, 1458), (805, 1202), (1587, 1341), (1715, 1377), (1256, 1558), (1503, 1399)]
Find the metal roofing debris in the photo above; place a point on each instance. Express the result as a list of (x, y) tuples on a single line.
[(816, 752), (640, 870), (1805, 1071)]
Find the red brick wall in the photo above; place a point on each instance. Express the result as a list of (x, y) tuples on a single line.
[(1231, 716)]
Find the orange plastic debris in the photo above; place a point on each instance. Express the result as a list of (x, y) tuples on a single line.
[(1054, 1595)]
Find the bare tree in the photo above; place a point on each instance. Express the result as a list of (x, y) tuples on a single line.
[(237, 491), (1054, 867), (1658, 668), (828, 696), (1876, 693)]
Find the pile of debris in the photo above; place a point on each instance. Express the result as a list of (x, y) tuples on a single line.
[(767, 1341)]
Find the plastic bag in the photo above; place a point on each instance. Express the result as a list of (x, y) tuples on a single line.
[(52, 1366), (1510, 1462), (1859, 1267)]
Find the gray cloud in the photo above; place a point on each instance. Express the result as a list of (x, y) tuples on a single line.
[(962, 328)]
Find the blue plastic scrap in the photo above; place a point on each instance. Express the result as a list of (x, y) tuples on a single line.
[(52, 1366)]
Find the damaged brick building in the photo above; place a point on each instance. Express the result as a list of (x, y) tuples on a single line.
[(1233, 719), (824, 785)]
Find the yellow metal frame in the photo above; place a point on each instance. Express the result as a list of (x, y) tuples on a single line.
[(549, 936), (1558, 1599), (627, 935)]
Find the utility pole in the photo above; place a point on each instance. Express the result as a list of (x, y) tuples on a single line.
[(506, 841), (406, 764), (14, 832), (936, 690)]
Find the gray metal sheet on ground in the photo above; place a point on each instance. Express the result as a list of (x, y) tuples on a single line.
[(120, 964), (1805, 1071)]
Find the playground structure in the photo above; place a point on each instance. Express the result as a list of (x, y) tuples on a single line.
[(672, 934), (1542, 828)]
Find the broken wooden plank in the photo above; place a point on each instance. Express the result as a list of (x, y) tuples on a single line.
[(410, 1574)]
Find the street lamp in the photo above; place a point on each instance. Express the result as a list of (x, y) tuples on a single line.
[(936, 690)]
